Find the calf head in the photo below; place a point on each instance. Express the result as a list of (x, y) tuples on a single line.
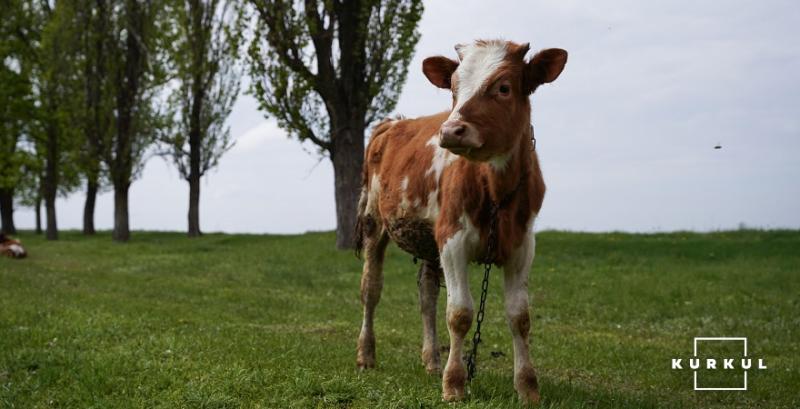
[(491, 83)]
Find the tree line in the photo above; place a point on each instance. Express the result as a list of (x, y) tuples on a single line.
[(90, 89)]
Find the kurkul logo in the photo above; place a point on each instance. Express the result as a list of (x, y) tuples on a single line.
[(732, 364)]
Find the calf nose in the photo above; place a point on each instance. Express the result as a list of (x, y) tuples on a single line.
[(453, 129), (458, 135)]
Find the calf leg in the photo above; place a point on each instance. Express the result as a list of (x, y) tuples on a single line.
[(516, 300), (429, 276), (374, 248), (459, 316)]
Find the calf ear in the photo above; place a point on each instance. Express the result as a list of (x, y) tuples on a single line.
[(439, 70), (544, 67)]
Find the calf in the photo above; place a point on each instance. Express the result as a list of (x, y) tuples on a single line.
[(11, 247), (432, 184)]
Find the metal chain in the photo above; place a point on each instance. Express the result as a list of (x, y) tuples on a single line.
[(487, 268)]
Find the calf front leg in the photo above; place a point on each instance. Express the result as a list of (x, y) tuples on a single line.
[(371, 286), (459, 315), (429, 276), (516, 300)]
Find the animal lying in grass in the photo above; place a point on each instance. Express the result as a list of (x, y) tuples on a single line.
[(431, 184), (11, 247)]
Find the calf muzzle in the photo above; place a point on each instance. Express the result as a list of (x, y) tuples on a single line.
[(459, 137)]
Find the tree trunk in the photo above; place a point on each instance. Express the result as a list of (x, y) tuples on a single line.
[(194, 205), (39, 214), (51, 184), (88, 207), (122, 232), (347, 156), (194, 161), (50, 210), (7, 210)]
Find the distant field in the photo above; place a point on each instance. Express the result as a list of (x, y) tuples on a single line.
[(229, 321)]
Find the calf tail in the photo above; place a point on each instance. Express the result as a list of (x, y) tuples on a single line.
[(361, 220), (361, 215)]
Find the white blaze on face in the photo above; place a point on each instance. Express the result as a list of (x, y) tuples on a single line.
[(478, 63)]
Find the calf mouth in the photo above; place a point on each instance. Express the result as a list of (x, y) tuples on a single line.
[(460, 150)]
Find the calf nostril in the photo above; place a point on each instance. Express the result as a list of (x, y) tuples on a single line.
[(459, 131)]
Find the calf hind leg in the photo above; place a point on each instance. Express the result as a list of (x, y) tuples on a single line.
[(374, 248), (429, 278)]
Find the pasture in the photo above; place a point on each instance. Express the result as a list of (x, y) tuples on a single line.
[(228, 321)]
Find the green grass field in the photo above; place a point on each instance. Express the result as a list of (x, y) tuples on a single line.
[(271, 321)]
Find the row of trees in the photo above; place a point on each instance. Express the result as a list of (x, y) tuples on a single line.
[(90, 88)]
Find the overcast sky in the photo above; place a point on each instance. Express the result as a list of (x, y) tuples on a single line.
[(626, 134)]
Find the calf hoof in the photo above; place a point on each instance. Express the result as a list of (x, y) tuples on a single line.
[(431, 360), (365, 363), (527, 386), (454, 383), (365, 357), (365, 360)]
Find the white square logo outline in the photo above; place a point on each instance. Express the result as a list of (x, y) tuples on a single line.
[(743, 339)]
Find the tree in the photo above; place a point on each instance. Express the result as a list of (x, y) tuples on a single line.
[(137, 48), (326, 70), (39, 99), (57, 89), (16, 104), (208, 78), (98, 110)]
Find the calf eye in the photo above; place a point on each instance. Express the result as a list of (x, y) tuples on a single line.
[(504, 89)]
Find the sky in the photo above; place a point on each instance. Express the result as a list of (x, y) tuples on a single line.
[(625, 135)]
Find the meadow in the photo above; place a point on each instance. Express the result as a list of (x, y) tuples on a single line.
[(230, 321)]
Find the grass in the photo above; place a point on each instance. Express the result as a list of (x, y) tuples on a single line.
[(229, 321)]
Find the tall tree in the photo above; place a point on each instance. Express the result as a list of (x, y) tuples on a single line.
[(326, 70), (98, 116), (140, 37), (59, 100), (16, 103), (208, 78), (38, 93)]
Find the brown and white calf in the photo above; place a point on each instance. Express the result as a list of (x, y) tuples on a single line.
[(430, 184), (11, 247)]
